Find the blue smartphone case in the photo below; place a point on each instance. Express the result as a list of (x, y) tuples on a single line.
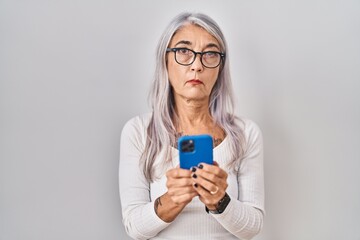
[(194, 150)]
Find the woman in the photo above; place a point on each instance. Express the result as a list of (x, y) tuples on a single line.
[(191, 94)]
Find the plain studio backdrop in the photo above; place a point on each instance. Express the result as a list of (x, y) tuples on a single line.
[(73, 72)]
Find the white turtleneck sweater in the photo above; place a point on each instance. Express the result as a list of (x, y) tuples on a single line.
[(243, 217)]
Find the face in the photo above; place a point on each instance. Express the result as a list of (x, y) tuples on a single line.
[(193, 82)]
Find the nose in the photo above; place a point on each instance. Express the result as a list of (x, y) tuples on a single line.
[(197, 65)]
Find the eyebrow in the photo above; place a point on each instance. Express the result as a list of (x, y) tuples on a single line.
[(183, 42), (212, 45), (189, 43)]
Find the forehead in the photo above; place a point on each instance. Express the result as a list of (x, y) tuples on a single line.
[(195, 35)]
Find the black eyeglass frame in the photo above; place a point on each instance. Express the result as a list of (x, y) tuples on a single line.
[(174, 50)]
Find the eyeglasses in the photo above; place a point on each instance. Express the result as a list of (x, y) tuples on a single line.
[(185, 57)]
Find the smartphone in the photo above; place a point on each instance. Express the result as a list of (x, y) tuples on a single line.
[(195, 149)]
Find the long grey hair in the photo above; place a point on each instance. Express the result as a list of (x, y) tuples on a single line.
[(161, 130)]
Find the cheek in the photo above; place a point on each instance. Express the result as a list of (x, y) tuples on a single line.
[(171, 74), (169, 69), (174, 72), (214, 76)]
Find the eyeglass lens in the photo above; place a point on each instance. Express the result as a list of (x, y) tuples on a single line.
[(208, 59)]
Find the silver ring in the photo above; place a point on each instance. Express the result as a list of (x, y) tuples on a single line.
[(214, 192)]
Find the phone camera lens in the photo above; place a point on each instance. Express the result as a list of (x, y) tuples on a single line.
[(187, 146)]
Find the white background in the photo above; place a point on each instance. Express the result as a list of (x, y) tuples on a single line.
[(73, 72)]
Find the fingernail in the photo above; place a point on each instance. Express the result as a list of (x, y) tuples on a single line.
[(200, 166), (193, 169), (194, 175), (195, 185)]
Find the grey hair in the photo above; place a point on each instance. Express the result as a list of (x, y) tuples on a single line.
[(161, 130)]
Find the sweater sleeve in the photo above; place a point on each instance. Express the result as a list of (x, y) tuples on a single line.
[(244, 215), (139, 217)]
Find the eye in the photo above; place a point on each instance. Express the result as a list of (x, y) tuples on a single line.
[(183, 51), (211, 54)]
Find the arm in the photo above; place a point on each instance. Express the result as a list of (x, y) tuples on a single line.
[(142, 217), (243, 216), (139, 217), (180, 193)]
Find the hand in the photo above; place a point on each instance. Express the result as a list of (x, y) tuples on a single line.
[(210, 182), (179, 184), (180, 192)]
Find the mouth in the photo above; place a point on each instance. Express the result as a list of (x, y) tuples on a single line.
[(194, 81)]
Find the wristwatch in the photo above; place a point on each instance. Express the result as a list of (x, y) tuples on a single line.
[(221, 206)]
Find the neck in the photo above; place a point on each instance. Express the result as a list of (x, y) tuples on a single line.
[(193, 116)]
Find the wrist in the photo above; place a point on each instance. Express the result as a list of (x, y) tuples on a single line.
[(166, 209), (220, 206)]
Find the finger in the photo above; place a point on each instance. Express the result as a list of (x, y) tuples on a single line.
[(215, 169), (209, 181), (178, 173), (178, 182), (208, 176), (206, 197), (184, 198), (181, 191), (220, 181), (208, 186), (211, 186)]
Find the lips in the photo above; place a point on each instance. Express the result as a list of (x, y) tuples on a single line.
[(194, 81)]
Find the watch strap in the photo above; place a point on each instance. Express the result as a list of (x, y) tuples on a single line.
[(221, 206)]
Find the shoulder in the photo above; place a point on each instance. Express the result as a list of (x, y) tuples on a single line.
[(138, 122), (251, 130), (136, 126), (248, 126)]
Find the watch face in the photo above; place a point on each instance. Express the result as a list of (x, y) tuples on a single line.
[(214, 211)]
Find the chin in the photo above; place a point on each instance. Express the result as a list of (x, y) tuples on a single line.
[(196, 97)]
